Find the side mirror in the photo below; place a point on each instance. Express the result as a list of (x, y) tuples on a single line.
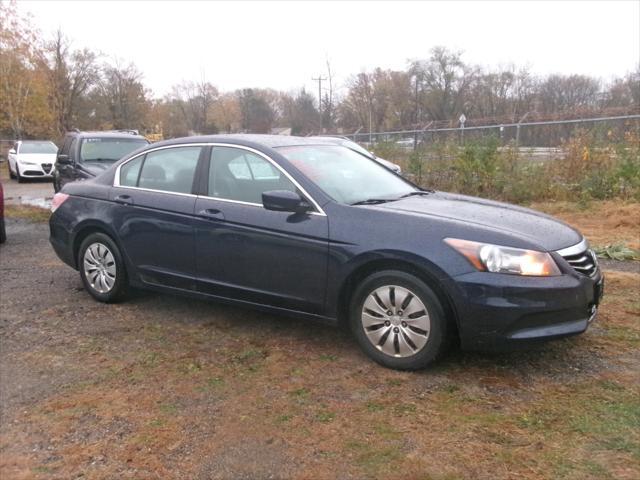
[(12, 151), (64, 159), (284, 201)]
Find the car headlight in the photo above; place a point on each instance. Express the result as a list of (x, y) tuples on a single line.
[(26, 162), (498, 259)]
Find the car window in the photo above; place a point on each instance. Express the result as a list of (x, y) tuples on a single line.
[(108, 149), (129, 172), (346, 176), (65, 145), (72, 148), (237, 174), (170, 169)]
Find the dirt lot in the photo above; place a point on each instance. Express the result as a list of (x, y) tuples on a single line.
[(167, 387)]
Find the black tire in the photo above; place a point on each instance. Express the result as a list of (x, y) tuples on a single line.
[(120, 286), (439, 331), (20, 178), (11, 174), (3, 231)]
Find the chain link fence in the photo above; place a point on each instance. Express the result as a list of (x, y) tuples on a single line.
[(542, 139)]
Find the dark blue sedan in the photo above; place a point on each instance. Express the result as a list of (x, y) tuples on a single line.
[(320, 231)]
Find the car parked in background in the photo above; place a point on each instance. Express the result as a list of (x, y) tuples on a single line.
[(345, 142), (31, 159), (84, 155), (299, 225)]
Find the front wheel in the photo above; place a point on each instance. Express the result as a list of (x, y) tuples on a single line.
[(11, 174), (398, 320), (101, 268), (20, 178)]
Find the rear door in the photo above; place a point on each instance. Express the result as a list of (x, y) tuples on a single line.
[(155, 214), (246, 252)]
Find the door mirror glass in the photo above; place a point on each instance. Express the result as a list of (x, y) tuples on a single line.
[(64, 159), (284, 201)]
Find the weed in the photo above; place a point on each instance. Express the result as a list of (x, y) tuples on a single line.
[(617, 251), (325, 416)]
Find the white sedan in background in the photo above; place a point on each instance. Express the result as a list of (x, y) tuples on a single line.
[(32, 159)]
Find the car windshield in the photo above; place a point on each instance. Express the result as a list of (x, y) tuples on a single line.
[(108, 149), (346, 176), (38, 147)]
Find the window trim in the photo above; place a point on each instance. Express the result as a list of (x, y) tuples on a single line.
[(116, 179)]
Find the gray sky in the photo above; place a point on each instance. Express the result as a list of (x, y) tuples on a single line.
[(283, 44)]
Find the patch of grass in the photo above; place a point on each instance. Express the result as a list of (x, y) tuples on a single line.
[(325, 416), (618, 251), (215, 382), (169, 408), (157, 423), (404, 409), (327, 357), (374, 407), (27, 212), (301, 393), (283, 418)]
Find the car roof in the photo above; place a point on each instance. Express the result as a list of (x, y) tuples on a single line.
[(106, 134), (272, 141)]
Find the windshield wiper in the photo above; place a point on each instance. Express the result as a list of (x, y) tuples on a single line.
[(373, 201), (100, 160), (418, 192)]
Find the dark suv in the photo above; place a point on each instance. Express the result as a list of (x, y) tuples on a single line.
[(86, 154)]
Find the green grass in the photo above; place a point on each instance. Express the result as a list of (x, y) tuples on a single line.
[(27, 212), (618, 251)]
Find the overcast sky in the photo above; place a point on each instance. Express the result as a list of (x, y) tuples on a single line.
[(283, 44)]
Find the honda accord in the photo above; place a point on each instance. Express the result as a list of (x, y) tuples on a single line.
[(299, 226)]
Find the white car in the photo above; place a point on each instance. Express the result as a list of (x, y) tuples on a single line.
[(32, 159)]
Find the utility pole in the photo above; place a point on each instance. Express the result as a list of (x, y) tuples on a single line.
[(319, 79)]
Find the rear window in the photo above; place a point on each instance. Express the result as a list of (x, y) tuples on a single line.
[(108, 149)]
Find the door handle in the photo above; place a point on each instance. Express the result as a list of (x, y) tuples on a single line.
[(124, 199), (211, 214)]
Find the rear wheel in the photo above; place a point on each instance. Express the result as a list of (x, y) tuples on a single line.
[(101, 268), (398, 320)]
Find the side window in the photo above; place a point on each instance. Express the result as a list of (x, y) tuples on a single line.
[(170, 169), (72, 149), (129, 172), (236, 174), (65, 145)]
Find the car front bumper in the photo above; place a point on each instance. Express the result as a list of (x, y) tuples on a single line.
[(502, 312), (44, 170)]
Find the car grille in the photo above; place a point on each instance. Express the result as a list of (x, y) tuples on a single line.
[(46, 167), (584, 262)]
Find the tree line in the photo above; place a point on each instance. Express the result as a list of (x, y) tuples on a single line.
[(49, 86)]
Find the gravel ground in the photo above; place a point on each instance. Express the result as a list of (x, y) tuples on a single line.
[(168, 387)]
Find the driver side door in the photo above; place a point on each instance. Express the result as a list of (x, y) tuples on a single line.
[(246, 252)]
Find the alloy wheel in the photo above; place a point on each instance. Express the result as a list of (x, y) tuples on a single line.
[(395, 321), (99, 267)]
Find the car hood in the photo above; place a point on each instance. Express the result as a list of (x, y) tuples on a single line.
[(37, 157), (95, 168), (535, 227)]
